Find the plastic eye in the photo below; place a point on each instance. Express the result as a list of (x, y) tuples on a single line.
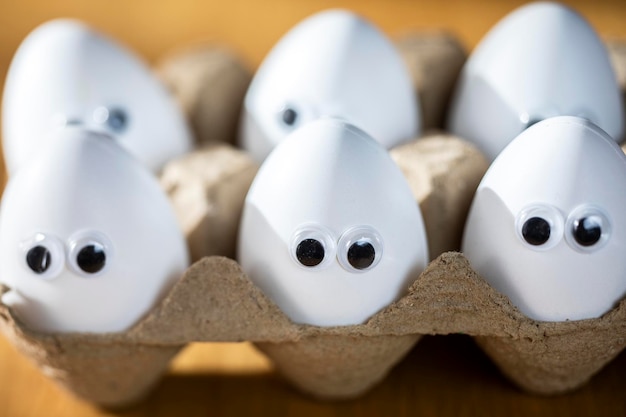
[(289, 116), (540, 226), (536, 231), (38, 259), (43, 256), (115, 118), (91, 258), (312, 246), (90, 253), (361, 254), (588, 228), (532, 122), (310, 252), (360, 249), (536, 116)]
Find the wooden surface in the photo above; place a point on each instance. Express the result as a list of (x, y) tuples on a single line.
[(443, 376)]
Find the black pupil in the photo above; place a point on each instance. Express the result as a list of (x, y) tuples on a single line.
[(289, 116), (38, 259), (361, 254), (117, 120), (91, 258), (587, 231), (310, 252), (536, 231)]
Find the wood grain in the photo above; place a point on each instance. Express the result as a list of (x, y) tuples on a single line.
[(442, 376)]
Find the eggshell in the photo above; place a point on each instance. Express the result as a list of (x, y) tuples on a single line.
[(66, 73), (333, 64), (85, 192), (330, 184), (540, 61), (564, 173)]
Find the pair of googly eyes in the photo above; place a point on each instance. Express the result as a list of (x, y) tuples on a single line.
[(359, 249), (586, 229), (88, 254), (115, 118)]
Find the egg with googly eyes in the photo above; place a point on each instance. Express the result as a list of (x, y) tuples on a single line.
[(88, 240), (66, 73), (547, 227), (330, 230), (332, 64), (540, 61)]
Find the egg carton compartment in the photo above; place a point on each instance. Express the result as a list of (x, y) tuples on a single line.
[(216, 302)]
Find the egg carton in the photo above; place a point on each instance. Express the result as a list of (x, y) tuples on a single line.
[(216, 302)]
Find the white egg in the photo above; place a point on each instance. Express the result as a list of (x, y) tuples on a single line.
[(542, 60), (65, 73), (88, 240), (334, 64), (547, 225), (330, 229)]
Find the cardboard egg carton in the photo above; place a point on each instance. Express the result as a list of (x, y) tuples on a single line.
[(216, 302), (209, 82)]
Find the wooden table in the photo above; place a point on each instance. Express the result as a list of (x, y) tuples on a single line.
[(442, 376)]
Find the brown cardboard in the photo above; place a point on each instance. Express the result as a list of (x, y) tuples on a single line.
[(207, 188), (210, 82), (443, 172), (331, 366), (97, 368), (617, 54), (215, 301), (434, 61)]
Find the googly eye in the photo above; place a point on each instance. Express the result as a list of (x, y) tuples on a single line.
[(537, 115), (90, 254), (291, 115), (312, 246), (536, 230), (588, 228), (360, 249), (540, 226), (114, 118), (43, 256), (532, 121)]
